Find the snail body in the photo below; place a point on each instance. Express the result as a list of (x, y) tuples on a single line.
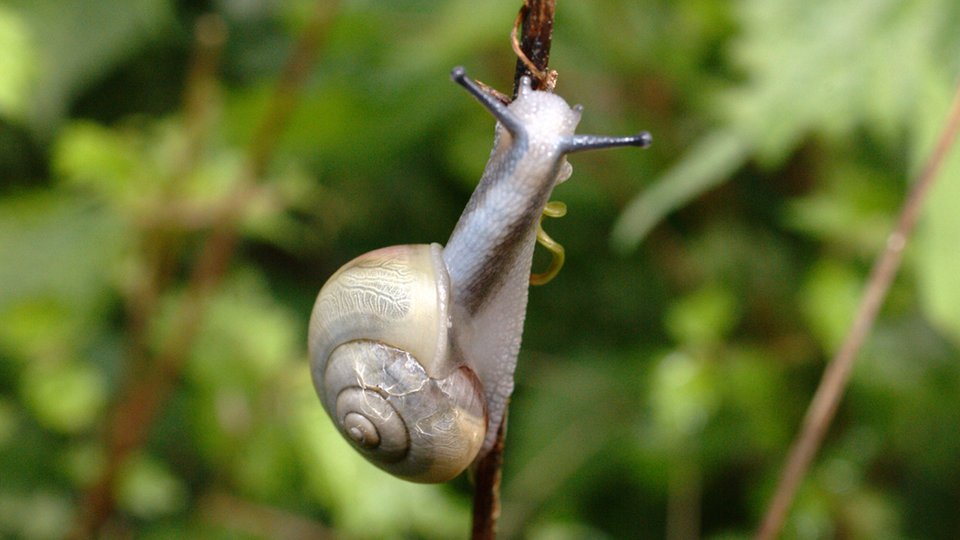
[(413, 347)]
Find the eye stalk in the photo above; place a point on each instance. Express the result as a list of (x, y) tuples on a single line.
[(514, 125), (500, 111), (578, 143)]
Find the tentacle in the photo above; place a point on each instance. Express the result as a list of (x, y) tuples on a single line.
[(500, 111), (579, 143)]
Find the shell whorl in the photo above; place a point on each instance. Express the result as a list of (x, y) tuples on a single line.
[(398, 295), (400, 419), (380, 364)]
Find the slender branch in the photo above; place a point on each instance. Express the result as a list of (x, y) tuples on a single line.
[(201, 96), (486, 498), (125, 430), (146, 391), (683, 496), (158, 244), (536, 18), (824, 404), (287, 92)]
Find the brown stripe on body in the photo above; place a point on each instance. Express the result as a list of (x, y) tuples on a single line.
[(488, 281)]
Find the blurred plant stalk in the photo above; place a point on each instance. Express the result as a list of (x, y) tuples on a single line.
[(153, 375), (823, 406)]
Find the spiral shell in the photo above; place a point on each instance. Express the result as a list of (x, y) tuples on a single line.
[(380, 361)]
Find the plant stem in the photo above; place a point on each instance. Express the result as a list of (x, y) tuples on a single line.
[(536, 38), (536, 21), (486, 496), (824, 404), (154, 377)]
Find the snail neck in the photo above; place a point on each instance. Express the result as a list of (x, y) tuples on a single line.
[(493, 239), (488, 258)]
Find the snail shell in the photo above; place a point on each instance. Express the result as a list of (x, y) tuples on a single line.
[(380, 362)]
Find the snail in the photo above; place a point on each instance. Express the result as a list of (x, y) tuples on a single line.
[(413, 347)]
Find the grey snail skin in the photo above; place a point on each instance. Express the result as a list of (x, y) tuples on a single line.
[(413, 347)]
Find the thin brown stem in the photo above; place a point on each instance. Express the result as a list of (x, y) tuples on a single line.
[(486, 495), (824, 404), (536, 21), (537, 34), (201, 98), (158, 244), (683, 498), (131, 414), (288, 89), (144, 394)]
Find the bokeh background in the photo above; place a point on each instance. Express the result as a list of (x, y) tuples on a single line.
[(180, 177)]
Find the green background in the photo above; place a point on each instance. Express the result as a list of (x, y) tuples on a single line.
[(663, 373)]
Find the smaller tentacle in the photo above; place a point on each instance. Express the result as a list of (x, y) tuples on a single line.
[(578, 143)]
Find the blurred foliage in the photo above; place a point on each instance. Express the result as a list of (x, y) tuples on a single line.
[(660, 381)]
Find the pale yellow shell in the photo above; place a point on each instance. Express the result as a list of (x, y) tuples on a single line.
[(381, 365)]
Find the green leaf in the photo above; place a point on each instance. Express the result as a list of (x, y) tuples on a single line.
[(809, 67), (16, 64), (851, 207), (79, 41), (247, 330), (704, 317), (65, 396), (683, 397), (148, 489), (8, 421), (106, 161), (58, 246), (711, 161), (829, 301), (41, 514)]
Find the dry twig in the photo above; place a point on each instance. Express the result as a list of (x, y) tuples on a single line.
[(153, 377), (824, 404), (536, 19)]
